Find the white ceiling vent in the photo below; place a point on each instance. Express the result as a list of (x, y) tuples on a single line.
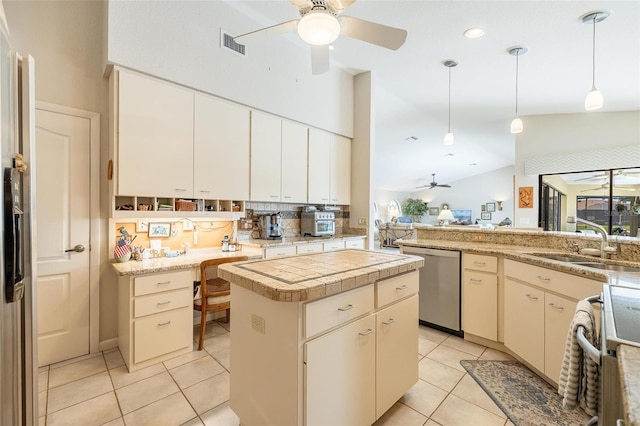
[(227, 42)]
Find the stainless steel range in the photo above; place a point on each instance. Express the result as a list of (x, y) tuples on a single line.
[(620, 315)]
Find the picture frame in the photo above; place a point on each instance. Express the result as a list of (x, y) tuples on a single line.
[(483, 208), (159, 230), (485, 216), (434, 211), (491, 207)]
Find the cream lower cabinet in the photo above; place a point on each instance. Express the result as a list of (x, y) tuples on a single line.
[(155, 320), (539, 304), (480, 295)]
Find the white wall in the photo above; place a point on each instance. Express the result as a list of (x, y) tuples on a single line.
[(180, 41), (473, 192), (562, 134)]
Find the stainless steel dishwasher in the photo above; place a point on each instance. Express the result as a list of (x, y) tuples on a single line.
[(439, 288)]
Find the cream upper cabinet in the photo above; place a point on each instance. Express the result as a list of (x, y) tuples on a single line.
[(294, 162), (221, 149), (319, 167), (340, 170), (266, 160), (329, 168), (155, 137)]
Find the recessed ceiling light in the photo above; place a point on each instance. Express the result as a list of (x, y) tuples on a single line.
[(451, 154), (474, 33), (411, 139), (473, 164)]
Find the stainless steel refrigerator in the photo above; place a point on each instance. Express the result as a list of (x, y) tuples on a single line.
[(18, 335)]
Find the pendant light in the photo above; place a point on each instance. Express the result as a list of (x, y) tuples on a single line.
[(448, 138), (594, 99), (516, 123)]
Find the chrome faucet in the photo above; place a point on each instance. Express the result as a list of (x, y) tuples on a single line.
[(604, 244)]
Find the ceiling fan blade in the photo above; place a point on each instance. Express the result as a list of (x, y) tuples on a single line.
[(378, 34), (338, 5), (444, 186), (319, 59), (302, 4), (274, 30)]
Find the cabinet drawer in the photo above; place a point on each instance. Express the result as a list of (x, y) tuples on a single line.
[(396, 288), (331, 311), (155, 303), (333, 245), (354, 244), (310, 248), (279, 251), (479, 262), (160, 334), (569, 285), (162, 282)]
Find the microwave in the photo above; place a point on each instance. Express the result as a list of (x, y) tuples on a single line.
[(317, 224)]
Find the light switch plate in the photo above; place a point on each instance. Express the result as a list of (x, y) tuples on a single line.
[(142, 226)]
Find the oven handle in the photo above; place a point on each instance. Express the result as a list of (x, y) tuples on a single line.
[(591, 351)]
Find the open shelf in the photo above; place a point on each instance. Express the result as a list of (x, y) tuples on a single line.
[(132, 206)]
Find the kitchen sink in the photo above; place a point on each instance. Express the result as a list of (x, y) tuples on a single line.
[(608, 267)]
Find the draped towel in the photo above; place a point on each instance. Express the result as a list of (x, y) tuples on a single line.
[(579, 375)]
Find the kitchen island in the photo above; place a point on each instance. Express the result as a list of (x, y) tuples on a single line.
[(324, 338)]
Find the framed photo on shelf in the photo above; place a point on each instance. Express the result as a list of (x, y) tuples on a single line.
[(433, 211), (485, 216), (159, 230), (491, 207)]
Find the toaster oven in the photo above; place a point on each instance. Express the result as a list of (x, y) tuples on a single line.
[(317, 224)]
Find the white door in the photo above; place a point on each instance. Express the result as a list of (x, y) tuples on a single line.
[(62, 220)]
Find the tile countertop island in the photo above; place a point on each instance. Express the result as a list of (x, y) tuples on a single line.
[(332, 329)]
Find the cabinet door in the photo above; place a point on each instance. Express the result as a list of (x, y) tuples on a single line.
[(340, 170), (155, 138), (339, 375), (480, 304), (266, 135), (319, 167), (558, 313), (294, 162), (221, 150), (396, 348), (524, 322)]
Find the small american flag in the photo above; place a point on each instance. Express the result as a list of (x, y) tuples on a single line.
[(121, 250)]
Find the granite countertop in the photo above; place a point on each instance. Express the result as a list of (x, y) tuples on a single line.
[(312, 276), (188, 261), (528, 254), (629, 365), (287, 241)]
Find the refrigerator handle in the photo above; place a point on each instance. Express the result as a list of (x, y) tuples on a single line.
[(14, 281)]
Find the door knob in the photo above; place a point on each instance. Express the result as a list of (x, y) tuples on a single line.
[(79, 248)]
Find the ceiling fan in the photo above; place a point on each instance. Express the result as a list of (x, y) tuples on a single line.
[(320, 24), (434, 184), (606, 175), (606, 186)]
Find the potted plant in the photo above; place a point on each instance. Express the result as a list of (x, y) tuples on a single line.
[(414, 207)]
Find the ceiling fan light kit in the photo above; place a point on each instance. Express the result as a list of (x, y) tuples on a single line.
[(448, 138), (319, 28), (516, 123), (594, 99)]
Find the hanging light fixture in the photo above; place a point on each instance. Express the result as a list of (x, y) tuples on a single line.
[(594, 99), (516, 123), (448, 138)]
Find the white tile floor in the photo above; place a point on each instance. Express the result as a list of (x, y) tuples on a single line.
[(193, 389)]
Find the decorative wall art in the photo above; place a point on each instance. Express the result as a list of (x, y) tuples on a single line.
[(434, 211), (485, 216), (525, 197), (159, 230), (491, 207)]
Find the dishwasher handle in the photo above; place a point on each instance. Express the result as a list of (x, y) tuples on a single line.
[(422, 251)]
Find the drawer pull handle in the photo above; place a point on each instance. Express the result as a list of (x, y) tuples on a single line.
[(204, 192), (181, 190), (475, 280), (389, 321), (164, 282), (164, 303), (402, 287), (346, 308), (366, 333), (475, 262), (164, 323), (531, 297), (541, 278), (554, 306)]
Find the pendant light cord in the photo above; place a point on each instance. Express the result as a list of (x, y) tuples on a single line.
[(517, 68), (593, 81), (449, 129)]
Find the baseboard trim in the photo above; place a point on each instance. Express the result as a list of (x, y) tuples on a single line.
[(105, 345)]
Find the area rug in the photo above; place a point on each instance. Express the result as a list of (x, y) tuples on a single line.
[(524, 397)]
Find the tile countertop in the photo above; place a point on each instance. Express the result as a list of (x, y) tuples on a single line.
[(312, 276), (629, 363), (527, 254), (188, 261), (287, 241)]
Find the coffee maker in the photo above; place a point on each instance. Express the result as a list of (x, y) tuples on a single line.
[(271, 226)]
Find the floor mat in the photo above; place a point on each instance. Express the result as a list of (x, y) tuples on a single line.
[(523, 396)]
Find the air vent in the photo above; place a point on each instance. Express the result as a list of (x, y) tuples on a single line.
[(227, 42)]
